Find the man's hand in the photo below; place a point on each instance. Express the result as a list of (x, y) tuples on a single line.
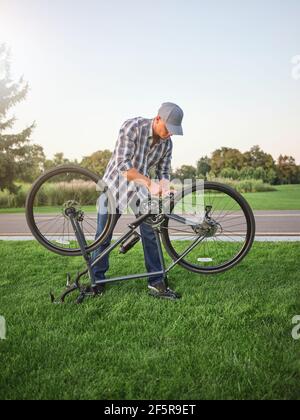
[(165, 187), (162, 188), (155, 189)]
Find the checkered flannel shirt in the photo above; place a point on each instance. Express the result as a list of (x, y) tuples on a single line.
[(133, 150)]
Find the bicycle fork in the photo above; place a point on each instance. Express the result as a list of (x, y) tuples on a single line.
[(70, 288)]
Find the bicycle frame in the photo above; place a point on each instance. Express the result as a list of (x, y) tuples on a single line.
[(132, 229)]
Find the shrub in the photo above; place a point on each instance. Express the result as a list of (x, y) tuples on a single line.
[(246, 185)]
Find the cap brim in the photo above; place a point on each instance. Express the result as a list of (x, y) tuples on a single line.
[(176, 130)]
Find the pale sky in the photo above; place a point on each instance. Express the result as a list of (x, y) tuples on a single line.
[(93, 64)]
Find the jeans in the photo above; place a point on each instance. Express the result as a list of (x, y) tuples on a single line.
[(151, 252)]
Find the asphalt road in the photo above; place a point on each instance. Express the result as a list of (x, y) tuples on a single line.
[(269, 223)]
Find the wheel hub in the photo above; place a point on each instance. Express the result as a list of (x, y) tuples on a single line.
[(73, 208), (209, 227)]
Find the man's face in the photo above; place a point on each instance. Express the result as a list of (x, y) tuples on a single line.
[(161, 129)]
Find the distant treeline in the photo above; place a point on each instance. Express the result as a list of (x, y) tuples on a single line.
[(224, 163), (254, 164)]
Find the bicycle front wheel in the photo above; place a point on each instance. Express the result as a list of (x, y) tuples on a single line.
[(56, 191), (215, 222)]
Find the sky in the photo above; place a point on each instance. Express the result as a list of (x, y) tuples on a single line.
[(93, 64)]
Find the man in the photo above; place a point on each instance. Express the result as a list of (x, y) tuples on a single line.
[(142, 144)]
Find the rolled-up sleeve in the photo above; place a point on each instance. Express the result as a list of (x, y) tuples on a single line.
[(126, 146), (163, 170)]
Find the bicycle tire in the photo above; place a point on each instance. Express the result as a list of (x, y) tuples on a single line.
[(251, 230), (30, 210)]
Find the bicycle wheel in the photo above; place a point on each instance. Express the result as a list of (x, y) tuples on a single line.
[(218, 215), (65, 187)]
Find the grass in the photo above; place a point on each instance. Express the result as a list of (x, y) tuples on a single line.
[(287, 197), (229, 337)]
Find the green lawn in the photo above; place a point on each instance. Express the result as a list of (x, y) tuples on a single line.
[(287, 197), (229, 337)]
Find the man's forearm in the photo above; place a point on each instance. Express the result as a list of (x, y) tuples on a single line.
[(161, 188)]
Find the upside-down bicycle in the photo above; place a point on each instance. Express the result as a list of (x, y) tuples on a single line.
[(207, 238)]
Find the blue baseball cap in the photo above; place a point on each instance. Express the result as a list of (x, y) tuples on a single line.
[(172, 115)]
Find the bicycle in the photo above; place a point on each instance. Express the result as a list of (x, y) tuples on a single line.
[(61, 212)]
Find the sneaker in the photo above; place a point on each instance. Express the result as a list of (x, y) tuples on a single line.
[(99, 289), (161, 291)]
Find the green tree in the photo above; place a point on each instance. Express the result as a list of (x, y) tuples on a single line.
[(230, 173), (226, 158), (32, 163), (185, 172), (97, 162), (257, 158), (58, 159), (203, 167), (247, 173), (14, 148), (288, 171)]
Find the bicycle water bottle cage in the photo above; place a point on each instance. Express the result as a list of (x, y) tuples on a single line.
[(130, 243)]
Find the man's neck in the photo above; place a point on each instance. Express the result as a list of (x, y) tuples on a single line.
[(155, 137), (155, 141)]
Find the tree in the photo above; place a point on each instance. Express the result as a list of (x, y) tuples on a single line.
[(97, 162), (14, 148), (256, 158), (226, 158), (58, 159), (185, 172), (288, 171), (203, 167), (32, 163), (230, 173), (247, 173)]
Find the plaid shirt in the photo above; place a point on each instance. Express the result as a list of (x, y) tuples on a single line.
[(133, 150)]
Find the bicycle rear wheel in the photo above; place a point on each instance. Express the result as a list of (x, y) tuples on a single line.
[(220, 216), (68, 186)]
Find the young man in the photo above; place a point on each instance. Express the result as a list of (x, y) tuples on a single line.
[(142, 144)]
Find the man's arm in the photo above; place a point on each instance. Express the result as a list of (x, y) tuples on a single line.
[(138, 178), (163, 170)]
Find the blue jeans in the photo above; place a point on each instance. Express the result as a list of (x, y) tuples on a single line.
[(151, 253)]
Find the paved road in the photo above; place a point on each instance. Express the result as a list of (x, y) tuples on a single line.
[(269, 223)]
